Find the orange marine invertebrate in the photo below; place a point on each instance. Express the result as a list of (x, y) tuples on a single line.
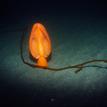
[(40, 44), (40, 49)]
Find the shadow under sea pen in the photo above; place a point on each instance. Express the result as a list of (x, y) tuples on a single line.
[(40, 49)]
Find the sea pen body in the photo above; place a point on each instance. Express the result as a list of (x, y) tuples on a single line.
[(40, 44)]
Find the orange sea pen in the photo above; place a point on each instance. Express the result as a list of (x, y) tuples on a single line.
[(40, 49), (40, 44)]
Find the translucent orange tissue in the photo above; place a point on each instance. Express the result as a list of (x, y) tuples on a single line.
[(40, 45)]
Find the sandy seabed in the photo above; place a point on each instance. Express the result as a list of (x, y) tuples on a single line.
[(73, 41)]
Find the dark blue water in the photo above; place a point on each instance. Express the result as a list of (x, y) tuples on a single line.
[(77, 36)]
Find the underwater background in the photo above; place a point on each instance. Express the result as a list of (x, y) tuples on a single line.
[(78, 31)]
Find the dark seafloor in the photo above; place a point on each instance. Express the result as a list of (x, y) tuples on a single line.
[(78, 31)]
